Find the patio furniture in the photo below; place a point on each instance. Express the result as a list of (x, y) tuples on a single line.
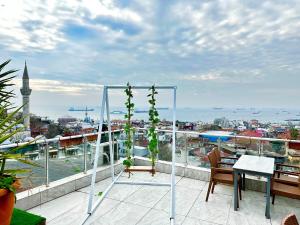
[(254, 165), (224, 165), (218, 174), (228, 165), (287, 177), (284, 188), (290, 220)]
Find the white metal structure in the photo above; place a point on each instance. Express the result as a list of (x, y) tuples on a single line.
[(105, 104)]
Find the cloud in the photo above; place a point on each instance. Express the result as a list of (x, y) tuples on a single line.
[(229, 76), (72, 46), (203, 77), (231, 25), (62, 87), (38, 25)]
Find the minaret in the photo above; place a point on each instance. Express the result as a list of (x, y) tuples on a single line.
[(26, 91)]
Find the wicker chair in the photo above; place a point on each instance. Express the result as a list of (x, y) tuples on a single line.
[(219, 174), (290, 220)]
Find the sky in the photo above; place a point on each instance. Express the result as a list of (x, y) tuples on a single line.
[(231, 53)]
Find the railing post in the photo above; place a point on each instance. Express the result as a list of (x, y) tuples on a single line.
[(286, 145), (85, 155), (259, 147), (47, 163), (157, 137)]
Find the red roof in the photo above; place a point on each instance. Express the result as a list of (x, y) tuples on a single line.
[(251, 133)]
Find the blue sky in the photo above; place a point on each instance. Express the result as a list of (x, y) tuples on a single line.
[(219, 53)]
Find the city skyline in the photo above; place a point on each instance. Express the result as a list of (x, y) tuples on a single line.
[(234, 54)]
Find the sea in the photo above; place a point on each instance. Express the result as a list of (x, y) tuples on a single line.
[(206, 115)]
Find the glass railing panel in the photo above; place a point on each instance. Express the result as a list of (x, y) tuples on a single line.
[(165, 146), (36, 174), (66, 159)]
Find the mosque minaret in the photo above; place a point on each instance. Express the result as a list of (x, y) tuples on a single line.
[(26, 91)]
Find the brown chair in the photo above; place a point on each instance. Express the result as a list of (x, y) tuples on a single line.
[(224, 165), (284, 188), (228, 165), (287, 177), (219, 174), (290, 220)]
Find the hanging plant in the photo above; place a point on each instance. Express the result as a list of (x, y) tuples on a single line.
[(128, 162), (152, 133)]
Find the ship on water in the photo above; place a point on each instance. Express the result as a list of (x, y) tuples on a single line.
[(117, 112)]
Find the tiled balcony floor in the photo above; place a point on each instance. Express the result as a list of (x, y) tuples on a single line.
[(145, 205)]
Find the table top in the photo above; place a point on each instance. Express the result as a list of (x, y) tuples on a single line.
[(255, 164)]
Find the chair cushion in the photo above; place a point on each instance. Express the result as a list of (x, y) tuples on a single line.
[(286, 190)]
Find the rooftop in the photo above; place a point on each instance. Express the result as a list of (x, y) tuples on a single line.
[(131, 204)]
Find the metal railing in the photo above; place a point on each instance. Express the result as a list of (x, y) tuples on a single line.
[(258, 146), (185, 154), (43, 147)]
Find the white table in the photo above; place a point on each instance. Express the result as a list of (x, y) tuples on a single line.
[(255, 165)]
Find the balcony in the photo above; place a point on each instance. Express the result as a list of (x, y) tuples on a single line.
[(127, 204), (61, 193)]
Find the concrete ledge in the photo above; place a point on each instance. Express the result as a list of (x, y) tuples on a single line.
[(39, 195)]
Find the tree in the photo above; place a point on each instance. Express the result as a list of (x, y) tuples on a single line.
[(294, 133)]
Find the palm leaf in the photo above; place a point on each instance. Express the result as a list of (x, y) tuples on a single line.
[(4, 64), (29, 162), (15, 171), (6, 137), (2, 132), (10, 117)]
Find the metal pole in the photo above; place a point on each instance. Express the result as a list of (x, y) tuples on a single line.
[(286, 146), (47, 163), (91, 196), (259, 148), (111, 153), (172, 213), (84, 155)]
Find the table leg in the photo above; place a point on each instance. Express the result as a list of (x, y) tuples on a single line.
[(244, 182), (268, 191), (235, 181)]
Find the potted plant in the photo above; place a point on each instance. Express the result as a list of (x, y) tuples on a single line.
[(9, 182), (152, 133)]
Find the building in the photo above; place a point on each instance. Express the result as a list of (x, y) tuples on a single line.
[(26, 91)]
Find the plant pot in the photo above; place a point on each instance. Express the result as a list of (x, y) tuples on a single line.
[(7, 203)]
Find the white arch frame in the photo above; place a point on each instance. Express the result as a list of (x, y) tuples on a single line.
[(105, 104)]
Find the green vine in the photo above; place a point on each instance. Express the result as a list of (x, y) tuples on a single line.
[(128, 127), (154, 120)]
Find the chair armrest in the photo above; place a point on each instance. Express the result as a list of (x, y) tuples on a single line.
[(225, 163), (221, 170), (229, 157), (287, 172), (286, 165)]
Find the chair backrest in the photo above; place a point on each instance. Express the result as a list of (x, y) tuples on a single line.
[(212, 159), (290, 220), (218, 154)]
